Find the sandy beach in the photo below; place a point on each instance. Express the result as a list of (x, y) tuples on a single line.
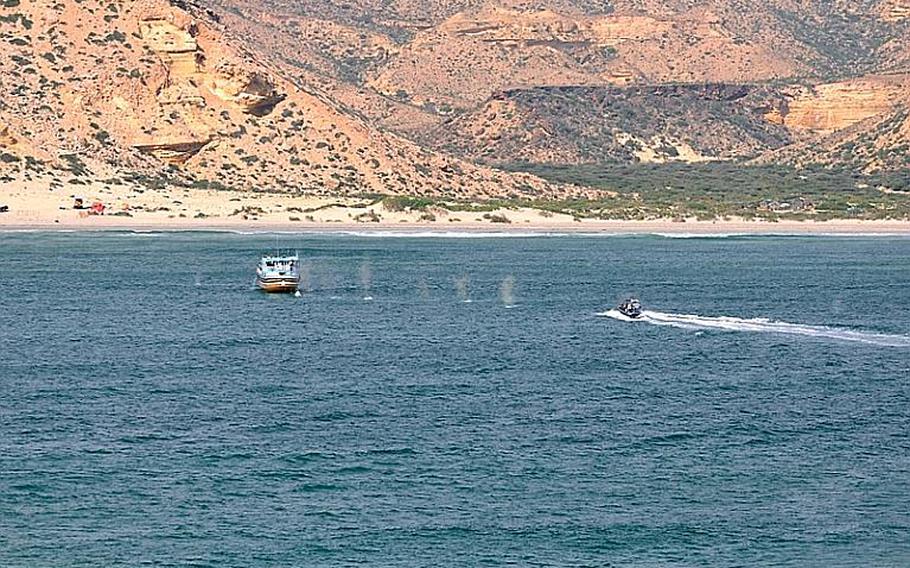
[(42, 205)]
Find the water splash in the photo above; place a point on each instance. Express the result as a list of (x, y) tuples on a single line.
[(305, 280), (366, 280), (462, 288), (763, 325), (423, 289), (507, 291)]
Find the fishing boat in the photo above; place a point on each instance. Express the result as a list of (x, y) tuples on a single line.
[(278, 273), (630, 308)]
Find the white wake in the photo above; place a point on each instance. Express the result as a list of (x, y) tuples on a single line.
[(762, 325)]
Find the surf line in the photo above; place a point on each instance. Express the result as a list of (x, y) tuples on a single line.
[(762, 325)]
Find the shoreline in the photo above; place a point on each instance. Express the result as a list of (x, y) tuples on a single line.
[(586, 227), (43, 205)]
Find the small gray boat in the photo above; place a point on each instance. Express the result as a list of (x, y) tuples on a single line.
[(630, 308)]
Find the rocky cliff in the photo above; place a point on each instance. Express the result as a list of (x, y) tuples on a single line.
[(826, 108)]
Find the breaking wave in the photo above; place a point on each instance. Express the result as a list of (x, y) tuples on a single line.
[(405, 234), (781, 234), (762, 325)]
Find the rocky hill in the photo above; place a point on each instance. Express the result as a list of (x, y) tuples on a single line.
[(553, 81), (427, 97), (151, 91)]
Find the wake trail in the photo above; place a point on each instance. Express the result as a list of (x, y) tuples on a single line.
[(762, 325)]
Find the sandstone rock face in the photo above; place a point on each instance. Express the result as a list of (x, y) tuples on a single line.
[(188, 68), (503, 25), (619, 29), (176, 152), (874, 145), (174, 44), (835, 106), (254, 92)]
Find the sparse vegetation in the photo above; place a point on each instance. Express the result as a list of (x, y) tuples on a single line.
[(367, 217), (496, 218), (718, 190)]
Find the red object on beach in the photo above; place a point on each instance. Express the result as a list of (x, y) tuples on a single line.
[(98, 208)]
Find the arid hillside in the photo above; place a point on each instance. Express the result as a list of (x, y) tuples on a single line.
[(425, 97), (151, 91), (840, 123), (652, 124), (575, 81)]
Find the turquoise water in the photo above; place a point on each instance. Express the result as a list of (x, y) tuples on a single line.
[(156, 410)]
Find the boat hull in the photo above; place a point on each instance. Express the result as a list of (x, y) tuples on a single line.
[(278, 285), (633, 314)]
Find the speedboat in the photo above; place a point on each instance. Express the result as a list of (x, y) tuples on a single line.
[(630, 308), (278, 273)]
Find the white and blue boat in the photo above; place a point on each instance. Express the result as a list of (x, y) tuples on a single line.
[(278, 273)]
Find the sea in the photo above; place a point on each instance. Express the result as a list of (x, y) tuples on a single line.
[(454, 399)]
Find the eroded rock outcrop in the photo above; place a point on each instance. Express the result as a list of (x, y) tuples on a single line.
[(835, 106), (172, 151), (252, 92), (175, 43), (175, 39)]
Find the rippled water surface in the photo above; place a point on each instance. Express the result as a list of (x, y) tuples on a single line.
[(156, 410)]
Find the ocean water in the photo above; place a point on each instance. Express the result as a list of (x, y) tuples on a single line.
[(482, 408)]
